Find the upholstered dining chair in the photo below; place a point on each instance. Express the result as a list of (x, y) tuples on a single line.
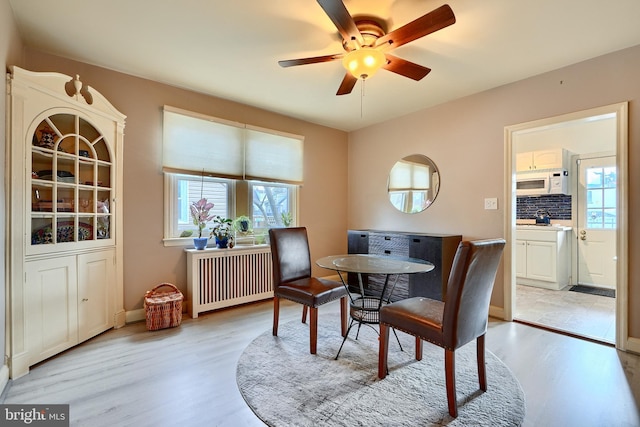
[(292, 280), (454, 322)]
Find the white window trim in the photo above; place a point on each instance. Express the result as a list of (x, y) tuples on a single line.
[(293, 199), (171, 210)]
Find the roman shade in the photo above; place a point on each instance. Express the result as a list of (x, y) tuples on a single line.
[(195, 143), (406, 175)]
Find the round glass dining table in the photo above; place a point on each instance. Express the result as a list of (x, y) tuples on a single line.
[(365, 309), (374, 264)]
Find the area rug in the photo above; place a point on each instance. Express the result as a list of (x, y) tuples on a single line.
[(284, 385), (592, 290)]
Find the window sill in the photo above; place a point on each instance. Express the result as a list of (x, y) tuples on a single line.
[(178, 241)]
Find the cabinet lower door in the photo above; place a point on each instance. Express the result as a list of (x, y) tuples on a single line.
[(541, 261), (96, 281), (51, 307), (521, 258)]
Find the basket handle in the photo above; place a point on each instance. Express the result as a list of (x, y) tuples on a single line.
[(153, 291)]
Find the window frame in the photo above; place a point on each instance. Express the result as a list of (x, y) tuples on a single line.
[(293, 200), (171, 206)]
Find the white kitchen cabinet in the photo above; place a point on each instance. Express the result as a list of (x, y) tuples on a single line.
[(64, 235), (521, 258), (543, 159), (543, 257)]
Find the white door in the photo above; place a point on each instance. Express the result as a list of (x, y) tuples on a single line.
[(597, 195)]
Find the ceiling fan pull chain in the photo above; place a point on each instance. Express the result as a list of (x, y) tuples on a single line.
[(361, 97)]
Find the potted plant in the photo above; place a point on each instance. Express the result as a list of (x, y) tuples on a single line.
[(242, 224), (287, 218), (222, 230), (200, 214)]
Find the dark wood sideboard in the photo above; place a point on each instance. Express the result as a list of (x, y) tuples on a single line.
[(438, 249)]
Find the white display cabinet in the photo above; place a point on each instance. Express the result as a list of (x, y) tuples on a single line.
[(64, 156)]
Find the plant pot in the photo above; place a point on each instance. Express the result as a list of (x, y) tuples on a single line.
[(222, 243), (200, 242), (244, 225)]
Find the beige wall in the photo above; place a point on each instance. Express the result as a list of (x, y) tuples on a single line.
[(147, 262), (10, 54), (465, 138)]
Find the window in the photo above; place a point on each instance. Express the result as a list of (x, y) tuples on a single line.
[(272, 205), (242, 169), (601, 197), (186, 189)]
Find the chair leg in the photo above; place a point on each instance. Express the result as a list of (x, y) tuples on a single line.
[(418, 348), (304, 314), (343, 316), (450, 375), (482, 369), (382, 352), (276, 315), (313, 329)]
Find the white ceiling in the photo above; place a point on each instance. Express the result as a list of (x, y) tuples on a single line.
[(230, 48)]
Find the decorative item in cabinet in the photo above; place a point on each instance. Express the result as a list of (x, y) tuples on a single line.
[(62, 176), (47, 137)]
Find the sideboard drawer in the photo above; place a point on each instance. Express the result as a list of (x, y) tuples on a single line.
[(389, 244)]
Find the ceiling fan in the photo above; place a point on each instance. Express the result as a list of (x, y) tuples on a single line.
[(366, 43)]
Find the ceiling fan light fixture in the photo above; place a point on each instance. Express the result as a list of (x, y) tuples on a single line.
[(363, 63)]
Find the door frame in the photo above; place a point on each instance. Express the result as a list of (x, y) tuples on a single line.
[(622, 280)]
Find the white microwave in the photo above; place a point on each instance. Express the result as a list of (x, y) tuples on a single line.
[(553, 181)]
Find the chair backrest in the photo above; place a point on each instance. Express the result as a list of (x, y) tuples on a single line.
[(469, 290), (290, 254)]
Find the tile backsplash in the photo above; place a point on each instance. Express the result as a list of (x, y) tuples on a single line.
[(558, 205)]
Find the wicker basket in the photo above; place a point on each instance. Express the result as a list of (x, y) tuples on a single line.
[(163, 308)]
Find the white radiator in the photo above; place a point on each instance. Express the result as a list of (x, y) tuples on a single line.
[(218, 278)]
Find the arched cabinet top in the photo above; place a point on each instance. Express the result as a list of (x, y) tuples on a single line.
[(68, 89)]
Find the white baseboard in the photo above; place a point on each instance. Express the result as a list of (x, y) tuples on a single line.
[(4, 377), (633, 345), (135, 315)]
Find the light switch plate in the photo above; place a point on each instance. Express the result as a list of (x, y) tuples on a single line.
[(491, 203)]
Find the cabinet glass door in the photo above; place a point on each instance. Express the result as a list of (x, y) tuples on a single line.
[(71, 183)]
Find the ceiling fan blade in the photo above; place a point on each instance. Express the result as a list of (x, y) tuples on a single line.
[(313, 60), (405, 68), (339, 15), (347, 84), (433, 21)]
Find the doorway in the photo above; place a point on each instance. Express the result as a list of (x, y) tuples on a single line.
[(607, 211)]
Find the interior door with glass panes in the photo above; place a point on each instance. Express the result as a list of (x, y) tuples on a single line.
[(597, 209)]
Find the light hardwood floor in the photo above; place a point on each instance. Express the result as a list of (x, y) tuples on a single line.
[(186, 376), (586, 315)]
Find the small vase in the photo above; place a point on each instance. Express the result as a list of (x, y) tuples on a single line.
[(200, 242), (222, 242)]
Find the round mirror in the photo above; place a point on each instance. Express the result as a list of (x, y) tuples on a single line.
[(413, 183)]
